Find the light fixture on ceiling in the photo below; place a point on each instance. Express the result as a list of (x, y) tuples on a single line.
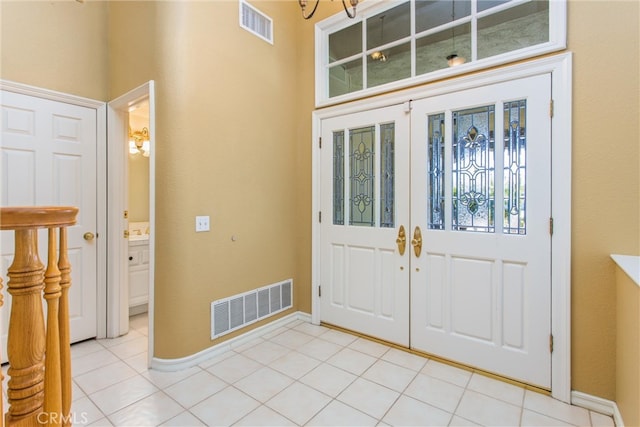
[(378, 55), (139, 142), (453, 59), (303, 6)]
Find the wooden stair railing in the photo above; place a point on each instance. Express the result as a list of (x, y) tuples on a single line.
[(39, 386)]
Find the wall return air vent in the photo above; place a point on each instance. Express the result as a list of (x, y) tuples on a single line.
[(256, 22), (240, 310)]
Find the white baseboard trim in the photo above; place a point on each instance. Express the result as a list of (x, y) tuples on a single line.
[(170, 365), (597, 404)]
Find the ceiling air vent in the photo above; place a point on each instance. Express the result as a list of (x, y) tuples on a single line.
[(256, 22)]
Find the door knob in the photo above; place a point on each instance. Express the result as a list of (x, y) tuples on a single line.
[(88, 236), (416, 242), (401, 241)]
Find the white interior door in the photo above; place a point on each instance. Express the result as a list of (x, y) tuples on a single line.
[(471, 184), (49, 158), (481, 194), (364, 277)]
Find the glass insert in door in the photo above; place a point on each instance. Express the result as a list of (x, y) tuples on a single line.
[(515, 167), (367, 195), (338, 178), (436, 171), (362, 176), (387, 175), (473, 170)]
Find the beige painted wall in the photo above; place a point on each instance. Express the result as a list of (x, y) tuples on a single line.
[(628, 348), (606, 184), (58, 45), (138, 188), (234, 142), (225, 147)]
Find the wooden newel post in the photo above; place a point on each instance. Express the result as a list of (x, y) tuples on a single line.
[(39, 387)]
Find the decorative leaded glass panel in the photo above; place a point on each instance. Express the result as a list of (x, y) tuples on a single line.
[(362, 178), (473, 170), (436, 171), (338, 178), (387, 175), (515, 167)]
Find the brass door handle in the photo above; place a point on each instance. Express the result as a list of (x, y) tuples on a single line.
[(88, 236), (416, 242), (401, 241)]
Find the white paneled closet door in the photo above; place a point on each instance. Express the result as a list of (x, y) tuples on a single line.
[(48, 157)]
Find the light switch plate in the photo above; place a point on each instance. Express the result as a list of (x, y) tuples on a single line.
[(202, 223)]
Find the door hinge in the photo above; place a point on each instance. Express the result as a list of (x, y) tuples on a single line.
[(126, 234), (320, 142), (319, 216), (126, 214), (319, 291), (551, 226), (550, 343), (551, 108)]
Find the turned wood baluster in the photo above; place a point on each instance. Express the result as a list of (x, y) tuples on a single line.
[(38, 396), (1, 376), (26, 342), (65, 349), (52, 291)]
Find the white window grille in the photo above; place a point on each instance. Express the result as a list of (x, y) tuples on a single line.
[(396, 44)]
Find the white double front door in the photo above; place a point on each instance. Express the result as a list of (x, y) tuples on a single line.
[(435, 226)]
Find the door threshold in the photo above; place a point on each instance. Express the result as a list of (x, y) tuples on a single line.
[(441, 360)]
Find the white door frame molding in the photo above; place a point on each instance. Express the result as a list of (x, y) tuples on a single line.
[(560, 67), (118, 119), (101, 184)]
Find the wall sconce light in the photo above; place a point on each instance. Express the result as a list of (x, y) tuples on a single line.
[(303, 6), (139, 142)]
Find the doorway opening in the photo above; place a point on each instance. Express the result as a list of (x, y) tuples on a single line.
[(138, 202), (131, 214)]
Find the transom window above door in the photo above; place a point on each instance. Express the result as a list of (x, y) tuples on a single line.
[(396, 44)]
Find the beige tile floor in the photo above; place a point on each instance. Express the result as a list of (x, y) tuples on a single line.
[(300, 374)]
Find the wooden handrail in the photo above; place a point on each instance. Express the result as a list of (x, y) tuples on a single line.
[(20, 218), (39, 387)]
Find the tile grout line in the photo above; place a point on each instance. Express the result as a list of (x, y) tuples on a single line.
[(341, 344)]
